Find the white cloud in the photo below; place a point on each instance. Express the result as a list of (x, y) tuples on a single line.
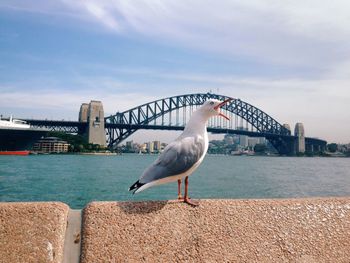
[(312, 33), (288, 32), (101, 14)]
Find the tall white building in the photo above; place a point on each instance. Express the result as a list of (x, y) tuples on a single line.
[(243, 139), (300, 133)]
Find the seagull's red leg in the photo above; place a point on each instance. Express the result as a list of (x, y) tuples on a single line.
[(186, 198), (179, 196)]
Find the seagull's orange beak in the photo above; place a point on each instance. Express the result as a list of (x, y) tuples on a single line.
[(217, 107)]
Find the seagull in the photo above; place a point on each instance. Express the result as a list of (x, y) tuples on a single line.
[(183, 156)]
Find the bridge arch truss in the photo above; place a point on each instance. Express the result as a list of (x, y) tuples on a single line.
[(171, 114)]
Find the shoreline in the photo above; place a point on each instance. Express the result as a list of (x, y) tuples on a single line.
[(210, 154), (98, 153)]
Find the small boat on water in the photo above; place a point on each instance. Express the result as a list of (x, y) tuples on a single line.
[(23, 153)]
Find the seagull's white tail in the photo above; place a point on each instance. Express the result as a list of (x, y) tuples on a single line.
[(144, 187), (139, 187), (135, 186)]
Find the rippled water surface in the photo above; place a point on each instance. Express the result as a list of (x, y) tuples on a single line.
[(77, 180)]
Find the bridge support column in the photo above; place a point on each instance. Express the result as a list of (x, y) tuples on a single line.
[(311, 148), (93, 114), (318, 147)]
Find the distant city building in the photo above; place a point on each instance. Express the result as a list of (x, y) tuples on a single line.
[(129, 145), (157, 146), (150, 147), (252, 142), (51, 145), (344, 148), (228, 139), (143, 148), (287, 126), (262, 140), (243, 139), (300, 133)]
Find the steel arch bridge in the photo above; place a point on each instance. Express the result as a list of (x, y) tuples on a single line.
[(171, 114)]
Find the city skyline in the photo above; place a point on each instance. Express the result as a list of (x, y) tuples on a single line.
[(289, 59)]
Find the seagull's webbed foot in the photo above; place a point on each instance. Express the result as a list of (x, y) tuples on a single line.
[(180, 197), (187, 200), (190, 202)]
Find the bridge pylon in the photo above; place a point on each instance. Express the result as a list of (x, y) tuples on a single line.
[(93, 114)]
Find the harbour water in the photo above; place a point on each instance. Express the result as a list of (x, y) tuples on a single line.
[(77, 180)]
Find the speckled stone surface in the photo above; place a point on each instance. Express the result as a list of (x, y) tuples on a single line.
[(293, 230), (32, 232)]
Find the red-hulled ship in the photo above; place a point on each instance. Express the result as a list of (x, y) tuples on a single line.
[(17, 137), (14, 152)]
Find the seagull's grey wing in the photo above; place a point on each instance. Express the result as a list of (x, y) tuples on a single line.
[(177, 158)]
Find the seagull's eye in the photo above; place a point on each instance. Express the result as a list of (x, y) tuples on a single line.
[(211, 103)]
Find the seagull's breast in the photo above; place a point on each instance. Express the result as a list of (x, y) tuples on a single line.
[(205, 142)]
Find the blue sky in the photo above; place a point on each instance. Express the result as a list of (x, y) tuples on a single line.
[(289, 58)]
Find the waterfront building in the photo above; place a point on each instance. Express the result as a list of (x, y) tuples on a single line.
[(51, 145), (143, 148), (150, 147), (243, 139), (157, 146), (262, 140), (129, 146), (228, 139), (252, 141)]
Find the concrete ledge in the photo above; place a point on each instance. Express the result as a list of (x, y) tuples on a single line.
[(296, 230), (32, 232), (293, 230)]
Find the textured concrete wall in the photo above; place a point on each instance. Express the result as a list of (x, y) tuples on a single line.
[(32, 232), (294, 230), (300, 230)]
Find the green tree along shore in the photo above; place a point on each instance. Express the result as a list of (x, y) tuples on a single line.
[(332, 147), (77, 143)]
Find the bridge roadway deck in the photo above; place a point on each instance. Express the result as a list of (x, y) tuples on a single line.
[(76, 125)]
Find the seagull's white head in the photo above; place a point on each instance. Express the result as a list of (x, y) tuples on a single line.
[(212, 108)]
